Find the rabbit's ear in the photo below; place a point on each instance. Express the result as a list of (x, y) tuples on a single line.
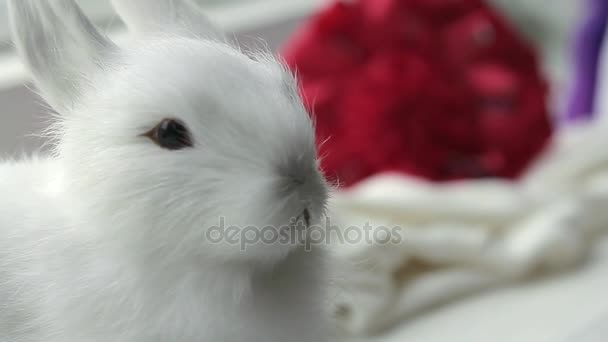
[(166, 16), (60, 46)]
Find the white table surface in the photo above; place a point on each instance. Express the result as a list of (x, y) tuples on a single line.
[(568, 308)]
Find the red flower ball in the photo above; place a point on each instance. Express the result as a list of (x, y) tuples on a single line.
[(441, 89)]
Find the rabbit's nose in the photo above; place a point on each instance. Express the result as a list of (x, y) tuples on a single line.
[(304, 183), (297, 179)]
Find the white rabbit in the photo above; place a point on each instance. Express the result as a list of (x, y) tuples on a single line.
[(157, 143)]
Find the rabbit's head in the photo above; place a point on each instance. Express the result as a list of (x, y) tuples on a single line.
[(178, 141)]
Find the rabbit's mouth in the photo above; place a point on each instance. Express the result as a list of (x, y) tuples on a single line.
[(306, 217), (302, 221)]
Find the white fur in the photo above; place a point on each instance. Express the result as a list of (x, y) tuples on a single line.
[(105, 239)]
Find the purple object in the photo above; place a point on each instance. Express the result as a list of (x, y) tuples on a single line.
[(587, 48)]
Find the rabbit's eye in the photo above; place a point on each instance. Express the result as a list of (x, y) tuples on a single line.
[(170, 134)]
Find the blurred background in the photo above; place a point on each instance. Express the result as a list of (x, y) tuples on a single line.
[(274, 21), (476, 126)]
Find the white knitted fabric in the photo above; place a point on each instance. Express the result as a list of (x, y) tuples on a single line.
[(477, 234)]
